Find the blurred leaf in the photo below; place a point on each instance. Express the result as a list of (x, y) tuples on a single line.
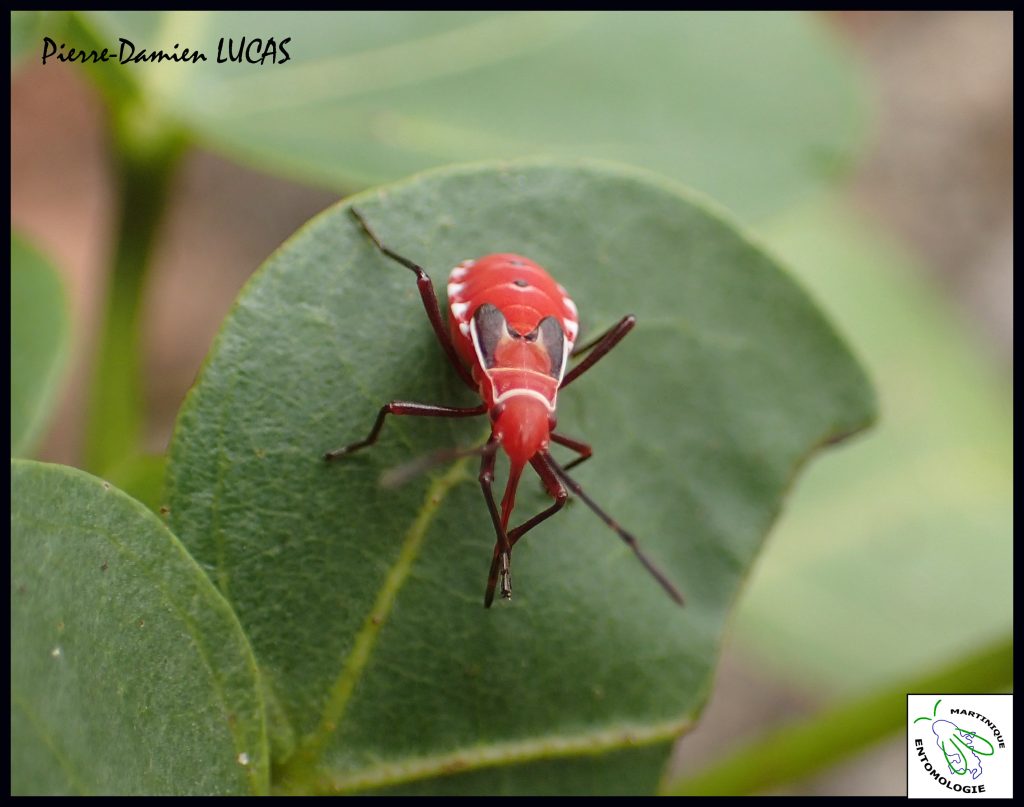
[(896, 554), (754, 109), (364, 605), (142, 478), (26, 33), (40, 335), (129, 673), (797, 751)]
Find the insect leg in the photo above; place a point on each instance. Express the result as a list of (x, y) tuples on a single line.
[(599, 348), (624, 534), (557, 490), (502, 548), (583, 449), (429, 298), (554, 488), (404, 408)]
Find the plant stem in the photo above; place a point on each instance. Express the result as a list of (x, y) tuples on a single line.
[(146, 151), (795, 752)]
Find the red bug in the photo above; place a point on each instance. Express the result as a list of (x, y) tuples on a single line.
[(513, 330)]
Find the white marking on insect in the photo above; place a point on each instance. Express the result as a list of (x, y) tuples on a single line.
[(572, 328), (455, 289), (464, 328), (530, 393), (571, 306), (561, 290), (476, 344), (459, 310), (457, 274), (566, 350)]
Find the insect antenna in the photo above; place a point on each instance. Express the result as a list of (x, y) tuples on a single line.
[(400, 474), (624, 534)]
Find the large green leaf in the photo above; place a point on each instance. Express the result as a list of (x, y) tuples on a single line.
[(882, 539), (364, 605), (752, 108), (40, 334), (129, 672)]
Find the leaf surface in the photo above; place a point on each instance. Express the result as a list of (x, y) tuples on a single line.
[(129, 672)]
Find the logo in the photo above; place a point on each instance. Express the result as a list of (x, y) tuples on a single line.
[(958, 746)]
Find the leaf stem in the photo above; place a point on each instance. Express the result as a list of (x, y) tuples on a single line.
[(795, 752), (146, 150)]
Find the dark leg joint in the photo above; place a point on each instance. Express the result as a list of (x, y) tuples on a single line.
[(583, 449), (370, 439), (404, 408), (428, 297)]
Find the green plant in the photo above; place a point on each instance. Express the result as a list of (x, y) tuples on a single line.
[(292, 627), (39, 331), (351, 596)]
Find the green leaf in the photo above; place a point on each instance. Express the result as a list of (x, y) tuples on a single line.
[(920, 506), (364, 605), (755, 109), (40, 334), (129, 672)]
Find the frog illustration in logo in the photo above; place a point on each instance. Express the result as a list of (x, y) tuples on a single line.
[(959, 746)]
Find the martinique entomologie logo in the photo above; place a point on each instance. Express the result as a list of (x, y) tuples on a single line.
[(958, 745)]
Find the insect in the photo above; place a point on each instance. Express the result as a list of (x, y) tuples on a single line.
[(512, 332)]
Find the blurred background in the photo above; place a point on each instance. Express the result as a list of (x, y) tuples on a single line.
[(910, 251)]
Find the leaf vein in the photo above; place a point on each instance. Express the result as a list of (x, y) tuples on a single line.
[(365, 640), (500, 754)]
